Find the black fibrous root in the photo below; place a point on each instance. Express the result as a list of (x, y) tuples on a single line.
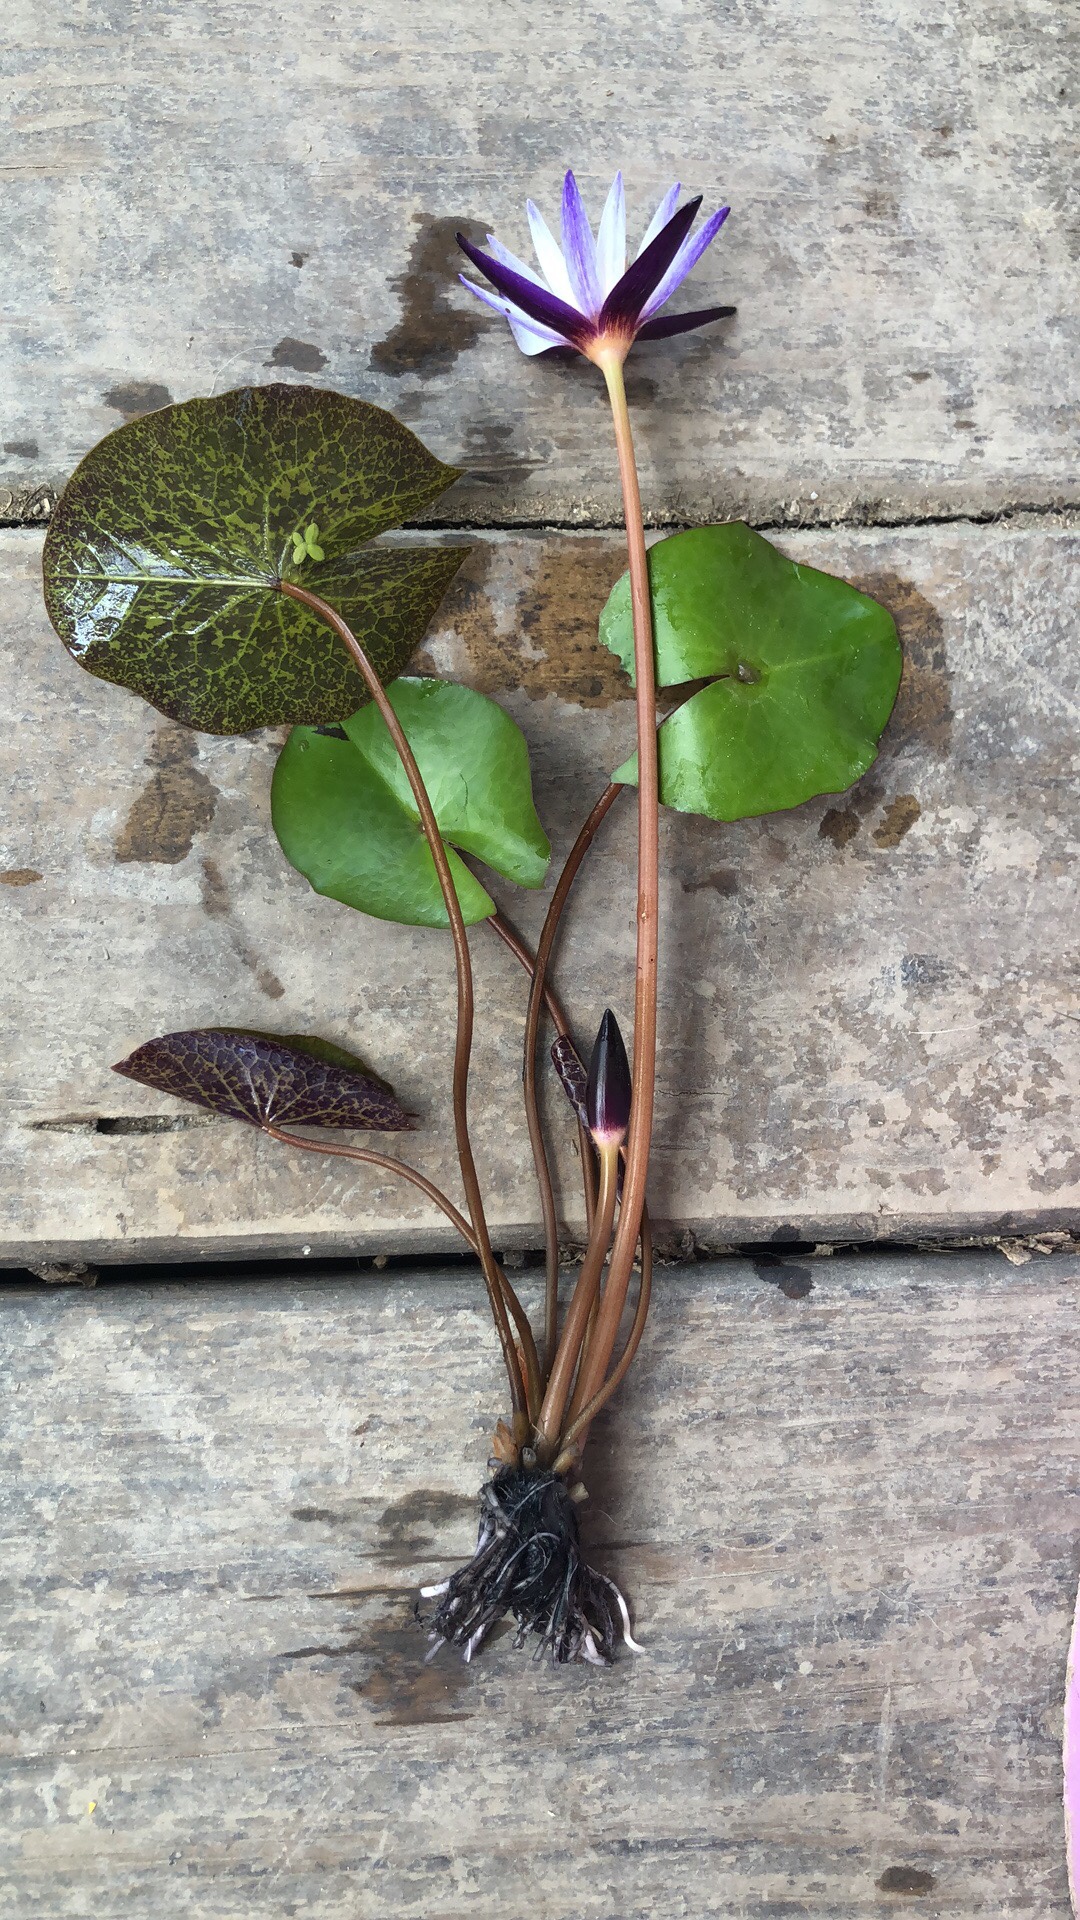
[(528, 1563)]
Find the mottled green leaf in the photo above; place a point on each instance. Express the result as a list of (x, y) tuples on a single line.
[(346, 818), (803, 673), (166, 547), (268, 1079)]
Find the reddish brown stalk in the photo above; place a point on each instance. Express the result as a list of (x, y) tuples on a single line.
[(532, 1029), (578, 1423), (369, 1158), (512, 939), (463, 1046), (581, 1306), (639, 1137)]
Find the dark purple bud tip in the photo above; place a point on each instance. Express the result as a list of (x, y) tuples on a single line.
[(607, 1096)]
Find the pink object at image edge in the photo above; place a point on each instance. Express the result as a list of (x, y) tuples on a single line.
[(1071, 1761)]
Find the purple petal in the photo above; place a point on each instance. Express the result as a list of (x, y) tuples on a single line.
[(530, 336), (682, 322), (611, 239), (579, 250), (533, 300), (628, 295), (549, 254), (687, 257), (661, 217)]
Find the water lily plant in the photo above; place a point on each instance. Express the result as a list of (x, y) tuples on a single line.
[(220, 559)]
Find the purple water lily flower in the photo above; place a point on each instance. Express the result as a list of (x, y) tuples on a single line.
[(585, 296)]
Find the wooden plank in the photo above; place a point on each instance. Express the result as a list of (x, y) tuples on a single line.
[(846, 1515), (865, 1024), (193, 207)]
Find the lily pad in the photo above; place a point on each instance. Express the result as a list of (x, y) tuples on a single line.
[(281, 1080), (803, 672), (166, 548), (345, 815)]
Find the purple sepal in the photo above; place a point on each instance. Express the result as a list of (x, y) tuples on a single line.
[(685, 261), (525, 294), (531, 337), (682, 322), (643, 276)]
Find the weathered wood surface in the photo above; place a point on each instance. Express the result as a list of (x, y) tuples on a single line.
[(197, 198), (847, 1517), (867, 1022)]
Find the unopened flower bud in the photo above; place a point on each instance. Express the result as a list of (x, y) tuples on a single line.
[(607, 1096)]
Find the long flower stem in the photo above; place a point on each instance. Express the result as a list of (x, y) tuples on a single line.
[(639, 1136), (581, 1305), (465, 1004), (578, 1424), (532, 1029)]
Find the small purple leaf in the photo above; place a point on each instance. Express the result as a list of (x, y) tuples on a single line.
[(571, 1071), (268, 1079)]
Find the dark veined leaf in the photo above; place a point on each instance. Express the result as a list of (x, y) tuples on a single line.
[(803, 673), (344, 812), (572, 1072), (269, 1079), (166, 546)]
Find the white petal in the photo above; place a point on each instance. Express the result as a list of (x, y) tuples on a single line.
[(611, 239), (549, 254), (661, 217), (530, 335)]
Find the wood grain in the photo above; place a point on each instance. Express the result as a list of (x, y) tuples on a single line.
[(197, 198), (841, 1494)]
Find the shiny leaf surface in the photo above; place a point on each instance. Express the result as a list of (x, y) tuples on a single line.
[(803, 673), (165, 549), (268, 1079), (346, 818)]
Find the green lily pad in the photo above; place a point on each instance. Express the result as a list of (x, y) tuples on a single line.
[(345, 815), (803, 673), (165, 551)]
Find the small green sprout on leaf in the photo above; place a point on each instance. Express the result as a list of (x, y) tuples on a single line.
[(306, 545)]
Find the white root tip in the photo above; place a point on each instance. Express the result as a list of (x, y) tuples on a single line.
[(628, 1638), (429, 1593), (472, 1643)]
